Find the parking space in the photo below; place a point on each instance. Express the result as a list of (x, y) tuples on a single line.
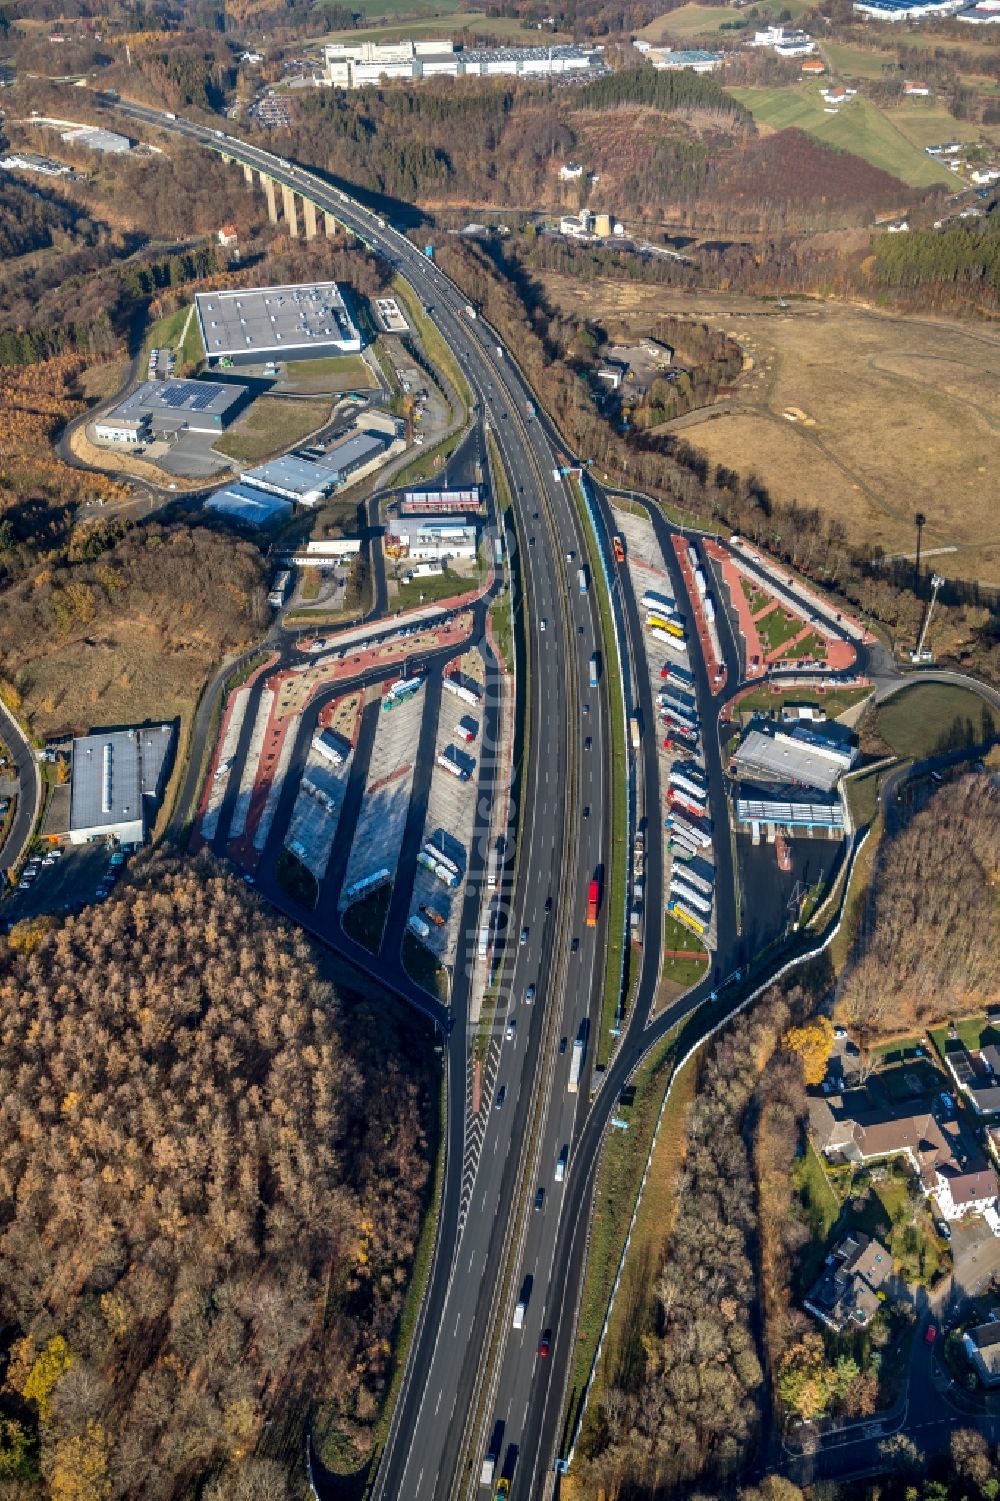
[(438, 887), (313, 824), (56, 883), (379, 834), (219, 779), (251, 765), (689, 874)]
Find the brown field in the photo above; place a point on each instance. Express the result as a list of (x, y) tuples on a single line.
[(124, 674), (905, 413)]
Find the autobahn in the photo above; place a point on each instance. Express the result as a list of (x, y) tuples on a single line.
[(558, 853), (469, 1300)]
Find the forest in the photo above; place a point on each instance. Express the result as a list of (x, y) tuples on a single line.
[(928, 947), (212, 1172)]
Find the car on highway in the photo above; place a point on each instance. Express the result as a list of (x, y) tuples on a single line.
[(588, 743), (539, 1197), (541, 624), (524, 936), (586, 810), (548, 904), (545, 1344), (511, 1031), (562, 1044), (574, 945), (561, 1163), (501, 1096), (502, 1490), (529, 995)]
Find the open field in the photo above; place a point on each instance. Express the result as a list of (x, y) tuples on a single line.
[(932, 717), (907, 412), (927, 123), (343, 372), (686, 23), (858, 127), (269, 426)]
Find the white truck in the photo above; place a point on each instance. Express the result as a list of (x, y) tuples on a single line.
[(575, 1066)]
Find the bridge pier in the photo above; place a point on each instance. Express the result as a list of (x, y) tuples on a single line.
[(288, 205), (272, 206), (309, 218), (248, 175), (330, 224)]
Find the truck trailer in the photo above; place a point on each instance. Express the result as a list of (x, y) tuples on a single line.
[(581, 580), (575, 1066), (593, 902)]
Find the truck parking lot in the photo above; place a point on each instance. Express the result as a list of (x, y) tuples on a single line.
[(379, 834)]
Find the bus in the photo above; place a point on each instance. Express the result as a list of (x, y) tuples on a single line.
[(666, 623)]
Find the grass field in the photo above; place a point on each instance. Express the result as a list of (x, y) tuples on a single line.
[(763, 701), (270, 426), (857, 62), (756, 598), (690, 21), (906, 414), (858, 127), (776, 627), (345, 372), (422, 967), (932, 717), (926, 123), (618, 1179), (437, 586)]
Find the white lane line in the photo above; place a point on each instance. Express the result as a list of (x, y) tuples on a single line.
[(437, 1404), (471, 1260), (457, 1322)]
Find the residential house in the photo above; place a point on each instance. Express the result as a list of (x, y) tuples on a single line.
[(846, 1294), (977, 1075), (950, 1168), (982, 1346), (227, 235), (916, 90), (569, 171)]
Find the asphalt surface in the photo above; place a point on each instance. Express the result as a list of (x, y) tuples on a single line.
[(30, 780), (559, 852)]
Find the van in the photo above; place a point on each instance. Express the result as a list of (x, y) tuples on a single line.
[(489, 1470), (519, 1313), (561, 1164)]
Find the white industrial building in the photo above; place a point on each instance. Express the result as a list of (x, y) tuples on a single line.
[(108, 142), (785, 43), (325, 553), (799, 756), (245, 325), (298, 480), (695, 58), (163, 408), (434, 539), (353, 65), (116, 783)]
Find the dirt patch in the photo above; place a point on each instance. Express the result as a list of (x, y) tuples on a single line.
[(122, 676), (115, 462), (906, 413)]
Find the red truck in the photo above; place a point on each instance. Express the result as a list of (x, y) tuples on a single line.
[(593, 902)]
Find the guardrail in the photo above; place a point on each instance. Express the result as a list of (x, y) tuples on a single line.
[(695, 1047)]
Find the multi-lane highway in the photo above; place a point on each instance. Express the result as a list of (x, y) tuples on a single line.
[(485, 1253), (470, 1372)]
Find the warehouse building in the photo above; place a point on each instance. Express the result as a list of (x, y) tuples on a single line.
[(798, 756), (357, 455), (117, 780), (307, 321), (352, 65), (432, 539), (163, 408), (247, 504), (695, 58), (298, 480), (107, 142)]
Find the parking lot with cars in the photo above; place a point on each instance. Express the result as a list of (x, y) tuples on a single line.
[(57, 879)]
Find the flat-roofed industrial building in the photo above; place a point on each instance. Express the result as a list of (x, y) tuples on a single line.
[(163, 408), (116, 782), (303, 321), (798, 757), (432, 538), (295, 479)]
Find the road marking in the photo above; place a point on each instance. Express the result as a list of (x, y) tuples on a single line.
[(471, 1260), (437, 1404), (457, 1322)]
